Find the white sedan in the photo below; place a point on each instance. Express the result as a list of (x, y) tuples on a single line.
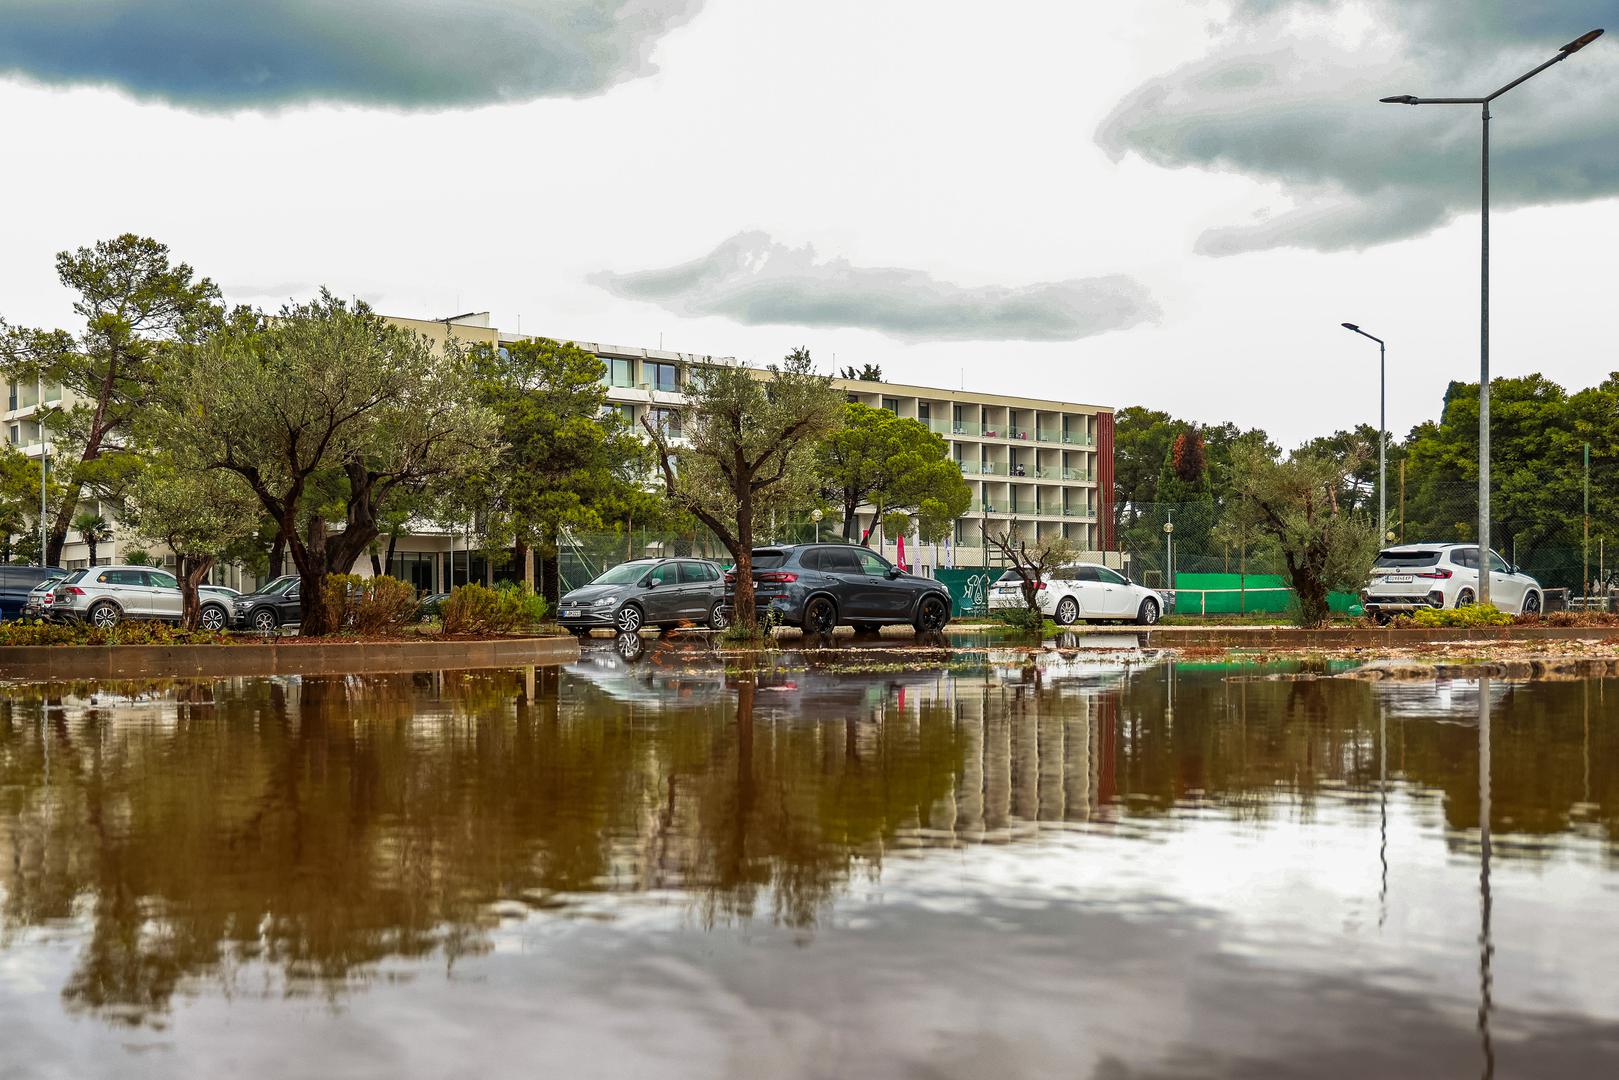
[(1084, 591)]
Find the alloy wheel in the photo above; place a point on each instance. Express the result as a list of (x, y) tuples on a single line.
[(1149, 612), (820, 617), (629, 618), (1067, 612), (1531, 604), (717, 618), (264, 621), (104, 615), (213, 619), (933, 614)]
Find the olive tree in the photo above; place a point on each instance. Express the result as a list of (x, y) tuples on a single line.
[(327, 412), (1032, 562), (1292, 505), (749, 448)]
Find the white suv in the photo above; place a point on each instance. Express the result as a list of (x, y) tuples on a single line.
[(106, 595), (1414, 576)]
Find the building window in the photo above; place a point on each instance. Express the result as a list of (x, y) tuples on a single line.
[(619, 372), (625, 412), (891, 404), (16, 435), (667, 421), (663, 377), (923, 413), (13, 405)]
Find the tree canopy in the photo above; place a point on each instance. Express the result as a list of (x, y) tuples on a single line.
[(890, 463)]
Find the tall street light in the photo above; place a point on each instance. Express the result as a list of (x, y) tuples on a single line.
[(1484, 296), (1382, 429)]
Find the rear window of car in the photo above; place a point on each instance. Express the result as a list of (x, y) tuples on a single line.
[(1406, 558), (73, 576), (1010, 575), (768, 558)]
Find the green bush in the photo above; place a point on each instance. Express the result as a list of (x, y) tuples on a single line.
[(1028, 620), (1471, 615), (124, 633), (473, 610), (368, 605)]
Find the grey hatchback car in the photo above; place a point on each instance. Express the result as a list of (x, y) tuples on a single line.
[(647, 592)]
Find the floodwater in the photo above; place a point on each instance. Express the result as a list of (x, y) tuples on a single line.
[(854, 862)]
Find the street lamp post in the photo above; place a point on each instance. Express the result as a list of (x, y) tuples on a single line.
[(815, 516), (1169, 552), (1484, 294), (1382, 426)]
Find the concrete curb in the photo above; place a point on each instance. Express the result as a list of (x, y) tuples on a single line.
[(41, 662)]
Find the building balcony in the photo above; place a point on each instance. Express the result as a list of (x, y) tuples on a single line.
[(1077, 438)]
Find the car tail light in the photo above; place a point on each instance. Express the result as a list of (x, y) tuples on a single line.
[(1435, 575), (74, 590), (730, 577), (1039, 585), (777, 577)]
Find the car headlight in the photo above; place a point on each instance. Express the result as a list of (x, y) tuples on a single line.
[(605, 601)]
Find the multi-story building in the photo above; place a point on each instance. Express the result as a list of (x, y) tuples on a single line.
[(1047, 464)]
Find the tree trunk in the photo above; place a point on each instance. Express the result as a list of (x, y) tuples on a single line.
[(550, 577), (849, 522), (278, 555), (91, 544), (191, 570), (1312, 593), (393, 546), (742, 612), (310, 558)]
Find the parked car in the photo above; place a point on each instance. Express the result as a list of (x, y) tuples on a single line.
[(275, 605), (16, 582), (1085, 591), (37, 604), (823, 586), (1413, 576), (107, 595), (647, 592), (428, 608)]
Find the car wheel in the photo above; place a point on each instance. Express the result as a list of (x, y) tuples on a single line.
[(1531, 603), (628, 619), (1067, 611), (105, 614), (1148, 613), (820, 615), (932, 614), (1464, 598), (264, 621), (718, 619), (213, 618)]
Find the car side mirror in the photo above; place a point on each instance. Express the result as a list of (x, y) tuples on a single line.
[(893, 572), (648, 583)]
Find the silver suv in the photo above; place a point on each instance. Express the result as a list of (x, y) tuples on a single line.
[(106, 595)]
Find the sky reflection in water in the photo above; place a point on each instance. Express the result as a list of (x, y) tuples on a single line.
[(839, 863)]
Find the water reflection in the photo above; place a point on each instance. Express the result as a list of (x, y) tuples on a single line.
[(304, 837)]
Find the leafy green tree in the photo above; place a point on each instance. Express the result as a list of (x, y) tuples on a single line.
[(94, 530), (137, 307), (1183, 483), (1033, 562), (202, 515), (890, 463), (567, 462), (19, 499), (750, 447), (327, 406), (1292, 505), (863, 373)]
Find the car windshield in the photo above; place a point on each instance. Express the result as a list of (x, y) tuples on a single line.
[(1392, 559), (280, 585), (622, 574)]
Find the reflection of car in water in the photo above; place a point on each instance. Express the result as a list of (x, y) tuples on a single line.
[(1099, 660), (662, 671), (1453, 701)]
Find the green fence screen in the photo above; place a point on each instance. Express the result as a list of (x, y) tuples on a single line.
[(1253, 594)]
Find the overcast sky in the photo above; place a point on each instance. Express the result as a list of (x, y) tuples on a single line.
[(1165, 202)]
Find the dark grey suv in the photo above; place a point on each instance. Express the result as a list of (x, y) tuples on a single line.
[(647, 592), (822, 586)]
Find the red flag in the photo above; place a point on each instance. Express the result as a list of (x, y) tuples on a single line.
[(901, 555)]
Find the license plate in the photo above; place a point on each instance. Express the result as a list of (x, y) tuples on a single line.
[(1399, 579), (570, 613)]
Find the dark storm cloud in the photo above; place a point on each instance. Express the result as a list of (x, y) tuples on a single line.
[(1288, 104), (756, 281), (411, 54)]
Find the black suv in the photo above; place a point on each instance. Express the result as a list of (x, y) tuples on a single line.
[(277, 604), (821, 586)]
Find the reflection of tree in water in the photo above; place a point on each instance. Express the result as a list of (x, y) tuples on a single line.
[(322, 825)]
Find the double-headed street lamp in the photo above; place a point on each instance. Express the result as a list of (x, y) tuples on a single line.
[(1382, 427), (1484, 296)]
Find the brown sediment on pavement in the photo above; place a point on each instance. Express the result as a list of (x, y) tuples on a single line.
[(35, 662), (1548, 667)]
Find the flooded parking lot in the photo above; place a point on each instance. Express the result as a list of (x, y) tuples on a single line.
[(951, 860)]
